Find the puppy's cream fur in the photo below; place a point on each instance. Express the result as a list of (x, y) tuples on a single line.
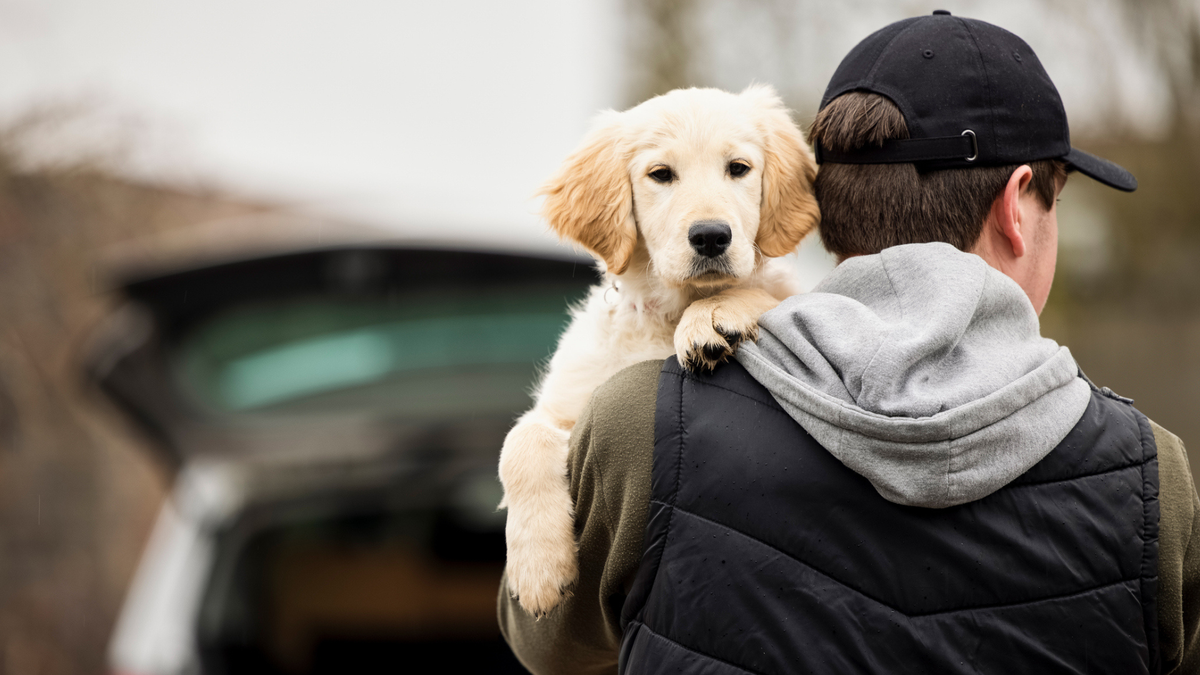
[(659, 296)]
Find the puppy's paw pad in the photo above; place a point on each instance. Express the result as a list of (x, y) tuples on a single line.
[(736, 329), (699, 345), (704, 357), (691, 358), (715, 352), (736, 336)]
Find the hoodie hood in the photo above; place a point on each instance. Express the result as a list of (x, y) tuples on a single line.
[(924, 370)]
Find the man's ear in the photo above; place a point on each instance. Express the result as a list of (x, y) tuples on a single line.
[(590, 199), (1006, 214), (789, 209)]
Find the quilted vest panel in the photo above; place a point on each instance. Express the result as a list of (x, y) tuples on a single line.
[(764, 554)]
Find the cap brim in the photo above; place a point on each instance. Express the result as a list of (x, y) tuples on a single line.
[(1101, 169)]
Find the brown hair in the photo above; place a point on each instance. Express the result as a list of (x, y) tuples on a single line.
[(866, 208)]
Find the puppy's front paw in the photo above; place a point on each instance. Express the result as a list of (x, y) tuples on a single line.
[(711, 331), (541, 564), (540, 528)]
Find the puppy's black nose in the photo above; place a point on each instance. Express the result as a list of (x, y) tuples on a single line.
[(710, 238)]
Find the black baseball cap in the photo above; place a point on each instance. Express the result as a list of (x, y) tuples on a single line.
[(972, 94)]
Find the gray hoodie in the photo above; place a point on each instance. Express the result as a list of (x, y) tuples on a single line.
[(923, 369)]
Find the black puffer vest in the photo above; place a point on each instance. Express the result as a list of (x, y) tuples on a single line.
[(764, 554)]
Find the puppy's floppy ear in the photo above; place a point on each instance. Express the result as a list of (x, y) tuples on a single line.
[(590, 199), (789, 208)]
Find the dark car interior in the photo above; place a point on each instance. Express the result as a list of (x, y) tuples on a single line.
[(397, 579)]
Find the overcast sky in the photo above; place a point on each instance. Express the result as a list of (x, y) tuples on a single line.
[(414, 115), (439, 117)]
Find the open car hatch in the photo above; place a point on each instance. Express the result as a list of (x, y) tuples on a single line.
[(339, 351)]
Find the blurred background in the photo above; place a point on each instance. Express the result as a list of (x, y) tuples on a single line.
[(160, 163)]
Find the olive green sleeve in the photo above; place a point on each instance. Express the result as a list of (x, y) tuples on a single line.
[(1178, 557), (611, 453)]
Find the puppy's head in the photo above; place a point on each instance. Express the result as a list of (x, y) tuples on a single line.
[(707, 178)]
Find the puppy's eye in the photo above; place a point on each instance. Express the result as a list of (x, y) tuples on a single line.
[(662, 174), (738, 168)]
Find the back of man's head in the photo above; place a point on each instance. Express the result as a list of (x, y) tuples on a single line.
[(921, 128), (866, 208)]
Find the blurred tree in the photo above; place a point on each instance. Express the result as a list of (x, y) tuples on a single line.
[(712, 43), (1170, 31), (660, 37), (1152, 235), (77, 495)]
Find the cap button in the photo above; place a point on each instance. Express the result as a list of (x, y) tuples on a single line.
[(943, 12)]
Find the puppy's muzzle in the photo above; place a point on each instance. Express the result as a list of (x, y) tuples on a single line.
[(710, 238)]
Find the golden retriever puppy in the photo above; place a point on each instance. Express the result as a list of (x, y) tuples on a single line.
[(684, 200)]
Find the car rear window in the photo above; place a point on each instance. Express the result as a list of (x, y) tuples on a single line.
[(418, 353)]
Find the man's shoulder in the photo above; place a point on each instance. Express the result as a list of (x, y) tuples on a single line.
[(1164, 439), (618, 421), (1172, 455), (1178, 561), (1177, 489), (629, 390)]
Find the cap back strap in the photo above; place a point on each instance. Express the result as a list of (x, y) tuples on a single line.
[(903, 151)]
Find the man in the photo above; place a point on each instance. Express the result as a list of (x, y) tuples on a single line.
[(901, 475)]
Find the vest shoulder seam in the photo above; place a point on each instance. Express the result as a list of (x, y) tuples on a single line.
[(773, 405), (1067, 479), (872, 598), (674, 493), (1150, 524)]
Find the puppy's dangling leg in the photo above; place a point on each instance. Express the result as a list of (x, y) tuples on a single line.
[(712, 328), (540, 529)]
